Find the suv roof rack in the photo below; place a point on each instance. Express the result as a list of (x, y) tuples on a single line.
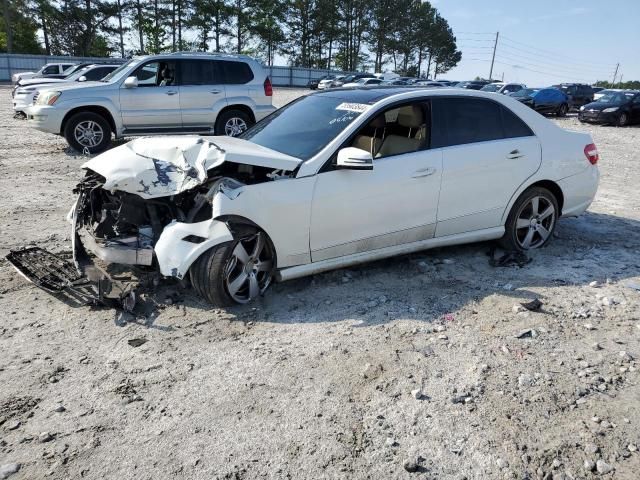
[(205, 54)]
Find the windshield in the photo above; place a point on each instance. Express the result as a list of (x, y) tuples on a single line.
[(121, 71), (492, 87), (305, 126), (75, 76), (72, 70), (525, 92), (612, 98)]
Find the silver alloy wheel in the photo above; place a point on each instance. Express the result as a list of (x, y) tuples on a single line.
[(88, 133), (248, 271), (234, 126), (535, 222)]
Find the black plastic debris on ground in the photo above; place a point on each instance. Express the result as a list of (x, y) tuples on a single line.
[(136, 342), (508, 259), (533, 306)]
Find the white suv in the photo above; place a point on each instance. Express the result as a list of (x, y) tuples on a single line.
[(183, 92)]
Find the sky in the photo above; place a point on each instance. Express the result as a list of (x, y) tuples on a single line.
[(542, 42)]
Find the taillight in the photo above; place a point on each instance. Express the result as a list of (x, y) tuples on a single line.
[(268, 89), (591, 152)]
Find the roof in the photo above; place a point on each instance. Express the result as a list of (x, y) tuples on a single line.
[(370, 95)]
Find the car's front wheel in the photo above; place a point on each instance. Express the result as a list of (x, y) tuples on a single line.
[(88, 131), (623, 119), (562, 111), (532, 220), (232, 123), (234, 272)]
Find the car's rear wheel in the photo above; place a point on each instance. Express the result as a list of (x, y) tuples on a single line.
[(623, 120), (232, 123), (532, 220), (234, 272), (88, 131), (562, 111)]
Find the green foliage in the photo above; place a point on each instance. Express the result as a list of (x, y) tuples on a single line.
[(628, 85), (23, 28)]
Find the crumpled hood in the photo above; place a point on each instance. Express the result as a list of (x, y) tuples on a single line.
[(154, 167)]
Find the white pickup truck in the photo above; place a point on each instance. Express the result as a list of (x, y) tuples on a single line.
[(52, 70)]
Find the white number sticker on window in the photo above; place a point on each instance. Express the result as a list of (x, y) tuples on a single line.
[(353, 107)]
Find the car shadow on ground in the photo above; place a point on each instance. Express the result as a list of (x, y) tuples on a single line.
[(428, 286)]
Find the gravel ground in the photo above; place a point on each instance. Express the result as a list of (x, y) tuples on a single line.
[(415, 367)]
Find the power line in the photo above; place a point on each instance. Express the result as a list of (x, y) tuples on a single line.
[(564, 77), (573, 59), (566, 70), (561, 63)]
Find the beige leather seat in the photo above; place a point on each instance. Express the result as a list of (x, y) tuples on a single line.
[(371, 144), (410, 117)]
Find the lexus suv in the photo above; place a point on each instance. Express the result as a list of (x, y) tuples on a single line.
[(175, 93)]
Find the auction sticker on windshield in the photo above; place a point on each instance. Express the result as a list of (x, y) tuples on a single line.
[(353, 107)]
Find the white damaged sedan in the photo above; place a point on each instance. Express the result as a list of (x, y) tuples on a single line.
[(332, 179)]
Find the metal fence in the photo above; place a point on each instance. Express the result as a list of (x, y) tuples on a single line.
[(10, 64), (280, 76), (296, 76)]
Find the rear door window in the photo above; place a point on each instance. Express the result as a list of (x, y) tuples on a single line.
[(460, 121), (235, 73), (199, 72)]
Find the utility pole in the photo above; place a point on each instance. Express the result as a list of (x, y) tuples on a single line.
[(615, 74), (620, 81), (495, 45)]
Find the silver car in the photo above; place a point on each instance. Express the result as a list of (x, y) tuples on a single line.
[(182, 92)]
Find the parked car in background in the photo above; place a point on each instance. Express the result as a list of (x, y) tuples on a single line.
[(333, 179), (397, 82), (181, 92), (339, 82), (449, 83), (55, 70), (473, 84), (326, 82), (25, 95), (387, 76), (364, 82), (608, 91), (596, 89), (544, 100), (579, 93), (429, 83), (615, 108), (504, 88), (313, 83)]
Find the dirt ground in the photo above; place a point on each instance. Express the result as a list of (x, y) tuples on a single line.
[(414, 367)]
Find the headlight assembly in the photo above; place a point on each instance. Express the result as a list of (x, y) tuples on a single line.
[(48, 98), (610, 110)]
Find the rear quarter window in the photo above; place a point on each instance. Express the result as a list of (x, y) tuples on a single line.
[(236, 73)]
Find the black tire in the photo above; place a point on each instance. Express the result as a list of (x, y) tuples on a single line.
[(242, 118), (623, 120), (562, 111), (513, 239), (100, 124), (210, 271), (207, 275)]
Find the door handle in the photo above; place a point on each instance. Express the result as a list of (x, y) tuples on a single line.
[(171, 92), (215, 92), (423, 172), (515, 154)]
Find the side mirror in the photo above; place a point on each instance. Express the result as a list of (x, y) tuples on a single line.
[(131, 82), (351, 158), (82, 79)]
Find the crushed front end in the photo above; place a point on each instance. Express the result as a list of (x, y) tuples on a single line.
[(145, 209)]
